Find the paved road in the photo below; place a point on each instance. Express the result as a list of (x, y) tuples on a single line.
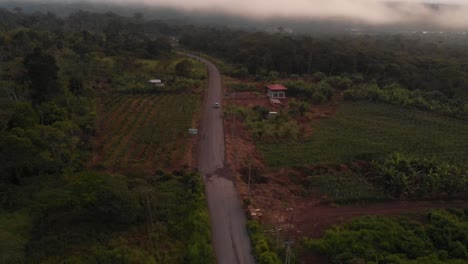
[(228, 223)]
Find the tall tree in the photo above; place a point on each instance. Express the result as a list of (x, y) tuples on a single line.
[(42, 71)]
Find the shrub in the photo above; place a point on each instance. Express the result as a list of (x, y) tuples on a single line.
[(317, 93), (395, 94), (402, 175), (386, 240), (262, 251)]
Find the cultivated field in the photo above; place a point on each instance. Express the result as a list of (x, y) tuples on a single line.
[(365, 130), (144, 130)]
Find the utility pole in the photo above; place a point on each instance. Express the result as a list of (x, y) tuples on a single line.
[(277, 229), (250, 167), (233, 138), (150, 220), (287, 260), (289, 242)]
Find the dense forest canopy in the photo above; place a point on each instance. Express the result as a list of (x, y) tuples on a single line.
[(417, 61)]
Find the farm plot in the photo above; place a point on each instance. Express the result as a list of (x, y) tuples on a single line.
[(370, 131), (148, 131)]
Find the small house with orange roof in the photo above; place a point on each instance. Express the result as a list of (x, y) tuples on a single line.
[(276, 91)]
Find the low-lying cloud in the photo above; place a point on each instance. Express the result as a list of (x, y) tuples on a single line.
[(369, 11)]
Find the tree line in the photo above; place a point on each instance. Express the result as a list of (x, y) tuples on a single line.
[(429, 63)]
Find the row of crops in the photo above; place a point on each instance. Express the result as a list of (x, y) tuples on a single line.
[(148, 130)]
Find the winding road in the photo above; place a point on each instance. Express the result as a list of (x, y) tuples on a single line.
[(228, 223)]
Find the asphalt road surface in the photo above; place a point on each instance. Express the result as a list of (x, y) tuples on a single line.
[(228, 223)]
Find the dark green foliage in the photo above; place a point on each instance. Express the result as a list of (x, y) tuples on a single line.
[(51, 211), (261, 249), (238, 72), (316, 93), (83, 217), (181, 218), (433, 101), (280, 129), (28, 148), (184, 68), (338, 82), (14, 233), (261, 111), (86, 206), (158, 47), (20, 158), (23, 115), (115, 251), (424, 63), (42, 71), (402, 175), (382, 240), (50, 113), (298, 107), (76, 86), (397, 176)]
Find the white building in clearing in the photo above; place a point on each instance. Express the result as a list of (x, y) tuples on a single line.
[(156, 82), (276, 91)]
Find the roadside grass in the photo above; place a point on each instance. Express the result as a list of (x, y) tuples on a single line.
[(369, 131)]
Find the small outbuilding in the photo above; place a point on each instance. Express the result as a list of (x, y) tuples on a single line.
[(276, 91), (156, 82), (272, 115)]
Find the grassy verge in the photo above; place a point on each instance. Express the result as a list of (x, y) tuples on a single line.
[(369, 131)]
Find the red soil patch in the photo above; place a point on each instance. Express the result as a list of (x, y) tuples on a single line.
[(312, 218)]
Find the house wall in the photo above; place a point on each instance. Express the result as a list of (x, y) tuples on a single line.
[(272, 94)]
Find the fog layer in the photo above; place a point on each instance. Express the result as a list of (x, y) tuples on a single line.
[(454, 14)]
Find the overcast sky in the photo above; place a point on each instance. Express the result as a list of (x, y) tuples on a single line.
[(371, 11)]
